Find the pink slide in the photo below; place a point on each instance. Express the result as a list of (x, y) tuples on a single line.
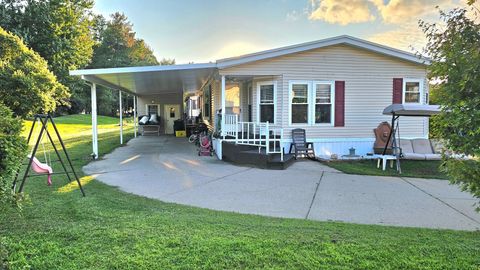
[(39, 167)]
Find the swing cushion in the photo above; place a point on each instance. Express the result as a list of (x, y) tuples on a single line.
[(422, 146), (406, 146)]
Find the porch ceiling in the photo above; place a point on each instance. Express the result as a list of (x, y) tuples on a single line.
[(150, 80)]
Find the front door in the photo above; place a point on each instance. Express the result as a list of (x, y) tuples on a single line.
[(171, 113)]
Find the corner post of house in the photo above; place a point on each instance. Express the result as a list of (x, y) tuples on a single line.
[(135, 116), (93, 89), (223, 107), (120, 111)]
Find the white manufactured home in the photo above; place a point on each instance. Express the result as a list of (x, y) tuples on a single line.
[(334, 88)]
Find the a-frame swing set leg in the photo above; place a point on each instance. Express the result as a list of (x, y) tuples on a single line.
[(30, 161), (66, 154), (14, 185), (56, 150)]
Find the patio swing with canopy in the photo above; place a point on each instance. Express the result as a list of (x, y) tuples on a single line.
[(411, 110)]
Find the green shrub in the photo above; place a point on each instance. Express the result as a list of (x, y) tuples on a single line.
[(13, 149), (26, 84)]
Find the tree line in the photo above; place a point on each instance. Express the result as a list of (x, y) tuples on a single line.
[(66, 35)]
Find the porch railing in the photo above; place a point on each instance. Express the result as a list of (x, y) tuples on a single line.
[(261, 135), (231, 126)]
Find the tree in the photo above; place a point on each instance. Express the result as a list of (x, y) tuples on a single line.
[(117, 46), (26, 84), (59, 30), (455, 53), (167, 61)]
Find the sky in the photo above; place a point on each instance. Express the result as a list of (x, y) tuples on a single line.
[(201, 31)]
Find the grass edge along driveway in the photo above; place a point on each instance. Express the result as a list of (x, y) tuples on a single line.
[(410, 168)]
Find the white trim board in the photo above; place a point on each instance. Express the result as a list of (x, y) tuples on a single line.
[(101, 71)]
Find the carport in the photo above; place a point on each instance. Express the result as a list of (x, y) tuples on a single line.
[(142, 81)]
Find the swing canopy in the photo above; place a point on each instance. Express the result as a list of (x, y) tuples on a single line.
[(412, 110)]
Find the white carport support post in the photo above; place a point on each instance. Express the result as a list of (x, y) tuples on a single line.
[(135, 116), (120, 110), (94, 121), (223, 107)]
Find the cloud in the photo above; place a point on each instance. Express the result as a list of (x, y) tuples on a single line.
[(401, 11), (345, 12), (293, 16), (342, 12), (408, 37)]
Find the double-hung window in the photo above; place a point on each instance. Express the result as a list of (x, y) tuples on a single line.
[(266, 104), (312, 102), (412, 91), (299, 100), (323, 95)]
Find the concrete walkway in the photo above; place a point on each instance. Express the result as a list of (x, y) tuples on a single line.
[(168, 169)]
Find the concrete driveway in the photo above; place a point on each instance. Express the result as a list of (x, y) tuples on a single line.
[(168, 169)]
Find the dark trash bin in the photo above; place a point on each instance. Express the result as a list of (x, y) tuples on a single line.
[(178, 125)]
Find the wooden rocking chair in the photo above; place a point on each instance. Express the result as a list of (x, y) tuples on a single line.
[(302, 147)]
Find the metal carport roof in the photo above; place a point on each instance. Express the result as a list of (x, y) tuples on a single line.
[(149, 80)]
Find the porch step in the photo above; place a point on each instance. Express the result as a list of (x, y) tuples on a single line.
[(250, 155)]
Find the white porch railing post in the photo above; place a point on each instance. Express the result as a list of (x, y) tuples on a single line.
[(135, 116), (253, 127), (236, 128), (267, 139), (223, 107), (120, 110), (281, 144), (94, 120)]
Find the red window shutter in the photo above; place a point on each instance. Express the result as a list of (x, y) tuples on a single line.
[(397, 90), (339, 103)]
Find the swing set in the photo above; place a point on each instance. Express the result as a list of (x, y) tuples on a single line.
[(46, 167)]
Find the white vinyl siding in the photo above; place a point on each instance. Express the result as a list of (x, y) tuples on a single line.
[(368, 80)]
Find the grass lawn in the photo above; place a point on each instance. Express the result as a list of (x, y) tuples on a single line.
[(110, 229), (410, 168)]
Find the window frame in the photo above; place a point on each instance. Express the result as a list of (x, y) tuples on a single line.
[(309, 90), (314, 103), (259, 85), (207, 101), (421, 90), (154, 104)]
